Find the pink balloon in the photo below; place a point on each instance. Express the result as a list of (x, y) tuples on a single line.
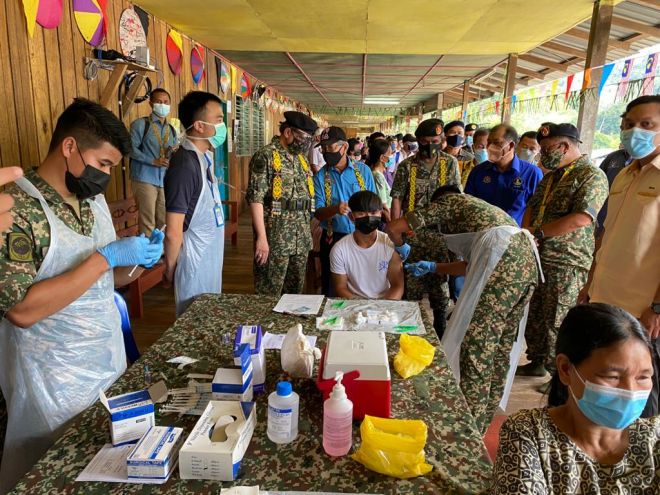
[(49, 13)]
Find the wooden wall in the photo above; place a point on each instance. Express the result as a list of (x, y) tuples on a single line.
[(39, 76)]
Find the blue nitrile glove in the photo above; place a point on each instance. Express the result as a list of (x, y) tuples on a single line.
[(403, 250), (156, 239), (131, 251), (420, 268)]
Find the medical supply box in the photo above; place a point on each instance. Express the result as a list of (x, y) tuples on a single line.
[(215, 447), (235, 383), (131, 415), (362, 357), (155, 455), (251, 335)]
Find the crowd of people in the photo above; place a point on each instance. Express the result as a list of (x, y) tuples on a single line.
[(517, 234)]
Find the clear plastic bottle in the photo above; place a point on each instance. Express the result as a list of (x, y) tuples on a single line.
[(337, 421), (283, 405)]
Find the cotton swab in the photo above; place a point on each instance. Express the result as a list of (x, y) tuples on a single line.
[(130, 274)]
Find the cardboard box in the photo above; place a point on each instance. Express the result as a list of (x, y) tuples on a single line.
[(131, 415), (251, 335), (362, 357), (215, 447), (156, 454), (235, 383)]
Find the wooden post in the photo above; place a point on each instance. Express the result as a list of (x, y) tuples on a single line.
[(599, 35), (509, 86), (466, 98)]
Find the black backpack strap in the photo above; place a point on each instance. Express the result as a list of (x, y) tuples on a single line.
[(144, 133)]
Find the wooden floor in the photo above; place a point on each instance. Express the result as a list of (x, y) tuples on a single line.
[(237, 279)]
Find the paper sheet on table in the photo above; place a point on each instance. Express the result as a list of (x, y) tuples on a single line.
[(241, 490), (271, 492), (408, 314), (299, 304), (109, 465), (182, 361), (274, 340)]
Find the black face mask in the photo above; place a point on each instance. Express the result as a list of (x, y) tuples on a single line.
[(367, 225), (300, 144), (90, 183), (429, 150), (332, 158), (455, 141)]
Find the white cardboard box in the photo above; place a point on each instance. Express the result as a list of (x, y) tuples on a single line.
[(215, 447), (252, 335), (131, 415), (155, 455), (235, 383)]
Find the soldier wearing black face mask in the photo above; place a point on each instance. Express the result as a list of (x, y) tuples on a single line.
[(416, 180)]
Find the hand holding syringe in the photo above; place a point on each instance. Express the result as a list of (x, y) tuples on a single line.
[(157, 236)]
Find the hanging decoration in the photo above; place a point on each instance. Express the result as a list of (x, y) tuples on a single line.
[(569, 83), (625, 77), (245, 86), (649, 74), (234, 78), (586, 81), (131, 32), (103, 4), (89, 19), (605, 75), (30, 8), (223, 75), (144, 19), (49, 14), (174, 51), (197, 62)]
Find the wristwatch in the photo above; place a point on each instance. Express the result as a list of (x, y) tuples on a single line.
[(656, 307)]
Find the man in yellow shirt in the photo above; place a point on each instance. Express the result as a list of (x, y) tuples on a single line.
[(626, 268)]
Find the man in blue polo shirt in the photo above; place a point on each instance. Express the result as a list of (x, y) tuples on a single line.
[(334, 184), (504, 180)]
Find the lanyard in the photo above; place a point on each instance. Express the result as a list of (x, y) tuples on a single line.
[(212, 183), (162, 141), (548, 193)]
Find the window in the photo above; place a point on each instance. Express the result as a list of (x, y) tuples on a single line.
[(251, 127)]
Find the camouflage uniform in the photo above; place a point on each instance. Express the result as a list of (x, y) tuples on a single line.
[(427, 243), (454, 446), (565, 259), (288, 233), (466, 163), (484, 358)]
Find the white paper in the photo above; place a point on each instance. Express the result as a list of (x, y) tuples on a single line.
[(299, 304), (274, 340), (182, 361), (241, 490), (354, 313), (109, 465)]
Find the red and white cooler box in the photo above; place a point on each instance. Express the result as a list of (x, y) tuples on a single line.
[(362, 357)]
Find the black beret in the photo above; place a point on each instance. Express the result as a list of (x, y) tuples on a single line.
[(471, 127), (300, 121), (429, 128), (550, 130), (455, 123)]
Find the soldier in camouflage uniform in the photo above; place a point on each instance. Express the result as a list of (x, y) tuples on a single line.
[(457, 147), (281, 197), (416, 180), (493, 328), (561, 215)]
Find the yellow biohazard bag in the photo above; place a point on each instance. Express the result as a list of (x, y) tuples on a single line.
[(415, 354), (394, 447)]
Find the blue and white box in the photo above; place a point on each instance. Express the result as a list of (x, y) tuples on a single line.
[(156, 454), (216, 446), (131, 415), (235, 383), (251, 335)]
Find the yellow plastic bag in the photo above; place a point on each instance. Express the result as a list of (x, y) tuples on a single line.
[(394, 447), (415, 354)]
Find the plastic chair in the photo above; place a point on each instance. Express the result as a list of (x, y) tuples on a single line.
[(132, 352)]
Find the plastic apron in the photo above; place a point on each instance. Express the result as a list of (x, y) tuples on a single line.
[(53, 370), (483, 250), (199, 267)]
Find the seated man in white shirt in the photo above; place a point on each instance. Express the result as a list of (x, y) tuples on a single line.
[(364, 265)]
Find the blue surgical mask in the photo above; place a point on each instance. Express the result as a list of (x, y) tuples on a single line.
[(638, 142), (527, 155), (161, 109), (480, 156), (469, 140), (220, 136), (610, 407), (391, 162)]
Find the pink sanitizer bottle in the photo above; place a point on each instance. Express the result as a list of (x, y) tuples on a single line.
[(337, 421)]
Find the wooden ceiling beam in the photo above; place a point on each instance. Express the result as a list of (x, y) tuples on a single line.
[(637, 27), (568, 50), (612, 43), (533, 59)]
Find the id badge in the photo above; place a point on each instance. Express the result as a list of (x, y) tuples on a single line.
[(219, 216)]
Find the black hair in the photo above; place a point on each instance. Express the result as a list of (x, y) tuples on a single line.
[(372, 137), (642, 100), (588, 327), (399, 137), (376, 150), (510, 132), (480, 132), (529, 134), (351, 144), (91, 125), (454, 123), (192, 106), (365, 201), (444, 190), (409, 138), (158, 90)]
